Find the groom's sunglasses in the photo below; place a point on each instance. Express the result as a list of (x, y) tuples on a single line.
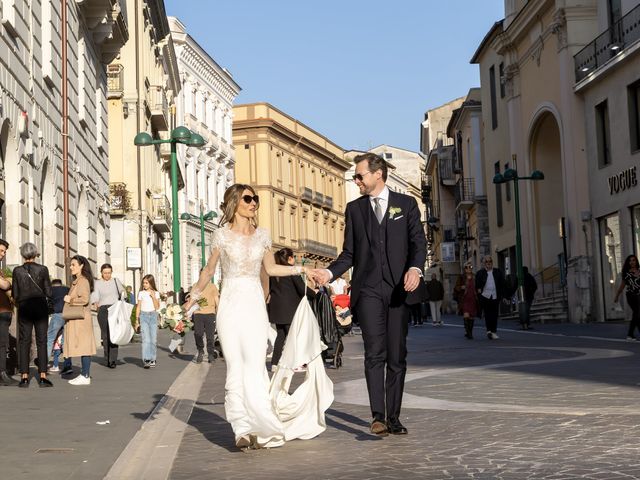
[(248, 198)]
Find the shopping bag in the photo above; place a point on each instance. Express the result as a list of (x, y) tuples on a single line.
[(120, 329)]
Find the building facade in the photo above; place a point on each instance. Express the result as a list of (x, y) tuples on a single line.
[(300, 178), (46, 123), (607, 78), (143, 84), (529, 110), (205, 106)]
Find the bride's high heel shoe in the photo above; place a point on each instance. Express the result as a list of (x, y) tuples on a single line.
[(243, 442)]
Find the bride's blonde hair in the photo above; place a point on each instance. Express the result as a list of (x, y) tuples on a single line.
[(229, 206)]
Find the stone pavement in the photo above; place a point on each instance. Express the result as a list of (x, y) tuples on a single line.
[(545, 404)]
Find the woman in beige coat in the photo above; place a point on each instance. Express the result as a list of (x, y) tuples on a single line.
[(78, 333)]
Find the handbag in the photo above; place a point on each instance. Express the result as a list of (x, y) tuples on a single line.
[(72, 312), (49, 300)]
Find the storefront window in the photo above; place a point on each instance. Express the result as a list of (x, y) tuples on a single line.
[(635, 214), (611, 246)]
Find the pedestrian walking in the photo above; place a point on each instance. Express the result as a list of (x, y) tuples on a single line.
[(490, 289), (147, 319), (78, 328), (285, 294), (631, 280), (204, 323), (435, 290), (415, 300), (108, 291), (385, 244), (468, 300), (56, 322), (6, 313), (530, 287), (31, 289)]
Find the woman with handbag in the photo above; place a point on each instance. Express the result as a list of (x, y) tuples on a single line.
[(31, 289), (78, 329), (108, 291)]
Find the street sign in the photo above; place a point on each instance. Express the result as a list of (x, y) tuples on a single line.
[(134, 258), (448, 251)]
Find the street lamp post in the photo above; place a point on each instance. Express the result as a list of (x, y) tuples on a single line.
[(203, 216), (511, 175), (186, 137)]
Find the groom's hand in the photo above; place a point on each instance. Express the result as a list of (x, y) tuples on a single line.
[(411, 280), (320, 275)]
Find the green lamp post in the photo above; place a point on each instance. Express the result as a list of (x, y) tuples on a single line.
[(186, 137), (511, 175), (203, 216)]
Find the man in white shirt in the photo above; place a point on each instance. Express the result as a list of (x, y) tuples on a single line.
[(490, 287)]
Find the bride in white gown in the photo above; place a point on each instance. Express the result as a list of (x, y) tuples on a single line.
[(261, 413)]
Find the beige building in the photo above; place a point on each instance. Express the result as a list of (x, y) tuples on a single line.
[(438, 195), (609, 83), (529, 113), (300, 178), (472, 221), (54, 115), (143, 83)]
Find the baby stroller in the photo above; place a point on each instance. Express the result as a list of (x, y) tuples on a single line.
[(329, 334)]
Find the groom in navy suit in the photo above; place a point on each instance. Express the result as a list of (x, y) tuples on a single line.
[(385, 244)]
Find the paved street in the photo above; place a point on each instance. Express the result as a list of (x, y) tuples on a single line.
[(559, 402)]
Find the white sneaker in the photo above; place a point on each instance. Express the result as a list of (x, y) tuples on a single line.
[(494, 336), (631, 339), (80, 380), (54, 369), (152, 364)]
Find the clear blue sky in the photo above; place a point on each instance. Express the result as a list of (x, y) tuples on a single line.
[(360, 72)]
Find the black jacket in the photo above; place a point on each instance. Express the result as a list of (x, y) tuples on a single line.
[(285, 294), (406, 244), (498, 278), (435, 290), (24, 288)]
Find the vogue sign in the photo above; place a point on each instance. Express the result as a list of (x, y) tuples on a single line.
[(623, 181)]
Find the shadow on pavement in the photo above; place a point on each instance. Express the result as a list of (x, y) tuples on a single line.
[(214, 428), (360, 435)]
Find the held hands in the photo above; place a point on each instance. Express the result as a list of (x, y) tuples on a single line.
[(319, 275), (411, 280)]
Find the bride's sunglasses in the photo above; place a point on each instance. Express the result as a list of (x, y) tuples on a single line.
[(248, 198)]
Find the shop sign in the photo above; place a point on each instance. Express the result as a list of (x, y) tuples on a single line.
[(623, 181)]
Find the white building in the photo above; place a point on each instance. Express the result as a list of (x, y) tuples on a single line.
[(33, 144), (205, 105)]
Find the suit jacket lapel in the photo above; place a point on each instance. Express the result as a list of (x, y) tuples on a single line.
[(391, 203), (365, 208)]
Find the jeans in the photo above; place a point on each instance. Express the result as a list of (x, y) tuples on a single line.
[(85, 361), (5, 321), (149, 333), (55, 324)]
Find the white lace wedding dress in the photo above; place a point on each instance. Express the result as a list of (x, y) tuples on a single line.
[(255, 406)]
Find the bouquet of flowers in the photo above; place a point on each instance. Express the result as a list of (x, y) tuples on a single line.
[(174, 317)]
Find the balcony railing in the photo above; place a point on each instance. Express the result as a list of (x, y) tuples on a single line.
[(158, 107), (608, 44), (433, 212), (465, 193), (449, 233), (446, 169), (306, 195), (161, 213), (318, 199), (318, 249), (328, 202)]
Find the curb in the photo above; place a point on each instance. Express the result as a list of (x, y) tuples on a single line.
[(151, 452)]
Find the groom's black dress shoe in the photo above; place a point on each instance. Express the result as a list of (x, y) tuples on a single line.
[(378, 427), (396, 428)]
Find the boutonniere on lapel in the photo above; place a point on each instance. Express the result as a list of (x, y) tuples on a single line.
[(393, 211)]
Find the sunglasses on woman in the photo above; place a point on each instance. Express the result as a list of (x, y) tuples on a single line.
[(248, 198)]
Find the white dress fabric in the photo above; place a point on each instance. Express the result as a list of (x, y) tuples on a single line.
[(253, 405)]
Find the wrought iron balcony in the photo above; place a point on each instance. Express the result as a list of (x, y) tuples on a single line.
[(446, 164), (328, 202), (318, 249), (161, 213), (306, 195), (318, 199), (158, 107), (433, 212), (608, 44), (465, 193), (449, 233)]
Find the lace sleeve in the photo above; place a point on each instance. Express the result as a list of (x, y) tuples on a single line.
[(265, 237), (217, 239)]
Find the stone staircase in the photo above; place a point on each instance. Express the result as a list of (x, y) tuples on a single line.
[(549, 309)]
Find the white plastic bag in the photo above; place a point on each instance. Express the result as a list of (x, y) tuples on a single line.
[(120, 328)]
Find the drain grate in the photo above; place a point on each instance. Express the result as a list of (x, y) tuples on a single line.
[(55, 450)]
